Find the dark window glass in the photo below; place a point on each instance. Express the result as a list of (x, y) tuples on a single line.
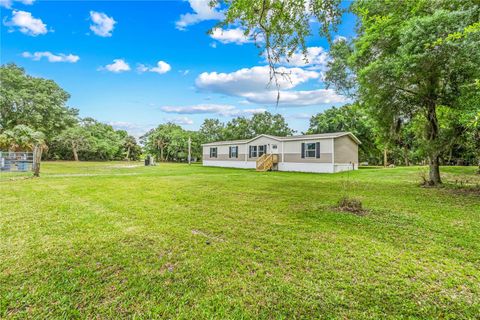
[(261, 150), (233, 152), (213, 152), (310, 150), (254, 151)]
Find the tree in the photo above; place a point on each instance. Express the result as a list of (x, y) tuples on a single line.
[(196, 146), (90, 140), (474, 136), (211, 130), (106, 143), (76, 138), (349, 118), (21, 138), (131, 149), (409, 57), (272, 124), (238, 128), (24, 138), (409, 60), (163, 141), (35, 102), (280, 28)]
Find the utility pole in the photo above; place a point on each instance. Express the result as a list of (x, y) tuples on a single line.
[(189, 150)]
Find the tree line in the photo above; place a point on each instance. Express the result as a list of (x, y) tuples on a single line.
[(33, 112), (413, 66)]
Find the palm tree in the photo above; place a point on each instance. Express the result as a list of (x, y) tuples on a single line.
[(24, 138)]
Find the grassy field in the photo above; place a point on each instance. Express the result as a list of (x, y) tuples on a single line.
[(111, 240)]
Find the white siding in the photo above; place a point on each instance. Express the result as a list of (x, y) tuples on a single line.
[(230, 164), (339, 167), (306, 167), (288, 151), (296, 146), (265, 141)]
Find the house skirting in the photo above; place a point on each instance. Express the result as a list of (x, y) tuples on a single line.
[(230, 164), (286, 166)]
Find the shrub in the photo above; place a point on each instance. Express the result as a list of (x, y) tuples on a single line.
[(350, 205)]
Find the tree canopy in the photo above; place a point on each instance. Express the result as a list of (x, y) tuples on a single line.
[(353, 119), (407, 64), (34, 102), (245, 128), (408, 59)]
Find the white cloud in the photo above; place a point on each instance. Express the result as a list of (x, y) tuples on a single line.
[(314, 58), (8, 3), (252, 85), (180, 120), (301, 116), (236, 35), (26, 23), (200, 108), (142, 68), (213, 45), (161, 68), (134, 129), (102, 24), (118, 65), (184, 72), (201, 12), (255, 79), (220, 109), (249, 111), (60, 57), (297, 98)]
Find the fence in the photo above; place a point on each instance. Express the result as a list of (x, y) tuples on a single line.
[(16, 161)]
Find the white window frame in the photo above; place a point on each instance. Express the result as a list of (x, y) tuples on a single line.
[(254, 151), (234, 152), (264, 151), (213, 152), (314, 150)]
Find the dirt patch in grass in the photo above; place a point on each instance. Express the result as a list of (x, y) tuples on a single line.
[(465, 191), (351, 205)]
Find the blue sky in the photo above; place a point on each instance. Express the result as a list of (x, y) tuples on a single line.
[(138, 64)]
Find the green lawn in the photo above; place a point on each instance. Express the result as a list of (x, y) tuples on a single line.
[(101, 240)]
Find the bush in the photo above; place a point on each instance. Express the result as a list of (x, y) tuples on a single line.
[(351, 205)]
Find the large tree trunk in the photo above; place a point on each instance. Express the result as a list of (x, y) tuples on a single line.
[(75, 153), (405, 156), (432, 131), (127, 157), (385, 158), (434, 172), (37, 158)]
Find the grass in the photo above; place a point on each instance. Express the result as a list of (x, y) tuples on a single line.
[(101, 240)]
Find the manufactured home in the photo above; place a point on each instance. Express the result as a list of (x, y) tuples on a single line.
[(326, 152)]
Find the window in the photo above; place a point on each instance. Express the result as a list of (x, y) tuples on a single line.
[(261, 150), (274, 147), (213, 152), (233, 152), (253, 151), (311, 150)]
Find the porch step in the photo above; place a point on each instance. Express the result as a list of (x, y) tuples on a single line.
[(266, 162)]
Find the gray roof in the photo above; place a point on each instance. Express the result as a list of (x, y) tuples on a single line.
[(289, 138)]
